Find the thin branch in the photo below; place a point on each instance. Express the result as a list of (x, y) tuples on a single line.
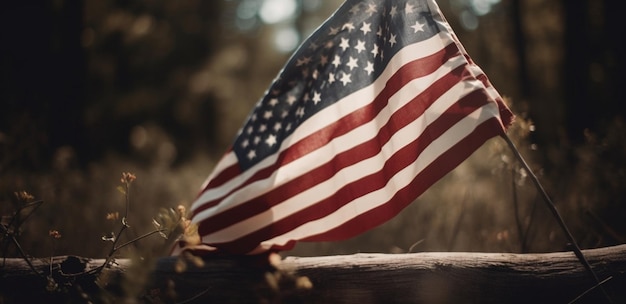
[(590, 290), (139, 238)]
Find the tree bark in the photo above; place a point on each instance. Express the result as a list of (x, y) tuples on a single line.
[(427, 277)]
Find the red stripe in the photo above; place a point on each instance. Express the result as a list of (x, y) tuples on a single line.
[(445, 163), (402, 117), (404, 157), (412, 70), (223, 176), (506, 116)]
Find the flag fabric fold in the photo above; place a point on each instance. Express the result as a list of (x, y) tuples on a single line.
[(379, 103)]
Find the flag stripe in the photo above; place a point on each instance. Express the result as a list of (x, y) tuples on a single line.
[(417, 68), (309, 199), (426, 178), (430, 53), (367, 192), (371, 146)]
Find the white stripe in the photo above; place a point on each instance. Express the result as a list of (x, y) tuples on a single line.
[(331, 114), (226, 161), (398, 181), (352, 173), (336, 145)]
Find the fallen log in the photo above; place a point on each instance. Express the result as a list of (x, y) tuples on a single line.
[(427, 277)]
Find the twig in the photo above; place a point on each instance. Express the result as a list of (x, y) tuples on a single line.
[(195, 297), (11, 234), (589, 290), (139, 238)]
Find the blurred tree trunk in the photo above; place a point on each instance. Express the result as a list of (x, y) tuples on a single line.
[(520, 45), (594, 72), (43, 70)]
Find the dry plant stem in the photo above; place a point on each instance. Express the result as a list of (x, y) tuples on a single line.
[(556, 214), (590, 290), (138, 238), (6, 232), (125, 226), (23, 254)]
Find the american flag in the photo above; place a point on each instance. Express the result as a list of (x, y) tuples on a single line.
[(379, 103)]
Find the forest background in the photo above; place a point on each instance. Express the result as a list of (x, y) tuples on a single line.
[(90, 89)]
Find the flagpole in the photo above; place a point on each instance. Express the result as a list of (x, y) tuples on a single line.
[(555, 213)]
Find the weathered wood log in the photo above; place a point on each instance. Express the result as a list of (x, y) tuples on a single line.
[(428, 277)]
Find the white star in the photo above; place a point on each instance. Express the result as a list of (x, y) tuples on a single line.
[(360, 46), (333, 31), (251, 154), (316, 74), (267, 114), (418, 27), (345, 79), (371, 9), (366, 28), (245, 143), (317, 97), (337, 61), (273, 102), (352, 63), (375, 50), (262, 128), (300, 112), (354, 9), (331, 77), (369, 68), (392, 39), (408, 8), (303, 61), (349, 26), (345, 43), (379, 32), (277, 126), (291, 99), (394, 11), (249, 130), (257, 140), (271, 140)]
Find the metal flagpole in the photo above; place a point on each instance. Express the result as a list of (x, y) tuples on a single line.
[(556, 214)]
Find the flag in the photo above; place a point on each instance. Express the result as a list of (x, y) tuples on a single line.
[(379, 103)]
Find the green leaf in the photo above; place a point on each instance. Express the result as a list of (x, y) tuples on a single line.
[(121, 189)]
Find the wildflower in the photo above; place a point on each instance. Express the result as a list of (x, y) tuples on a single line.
[(54, 234), (113, 216), (24, 196), (182, 211), (127, 177)]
